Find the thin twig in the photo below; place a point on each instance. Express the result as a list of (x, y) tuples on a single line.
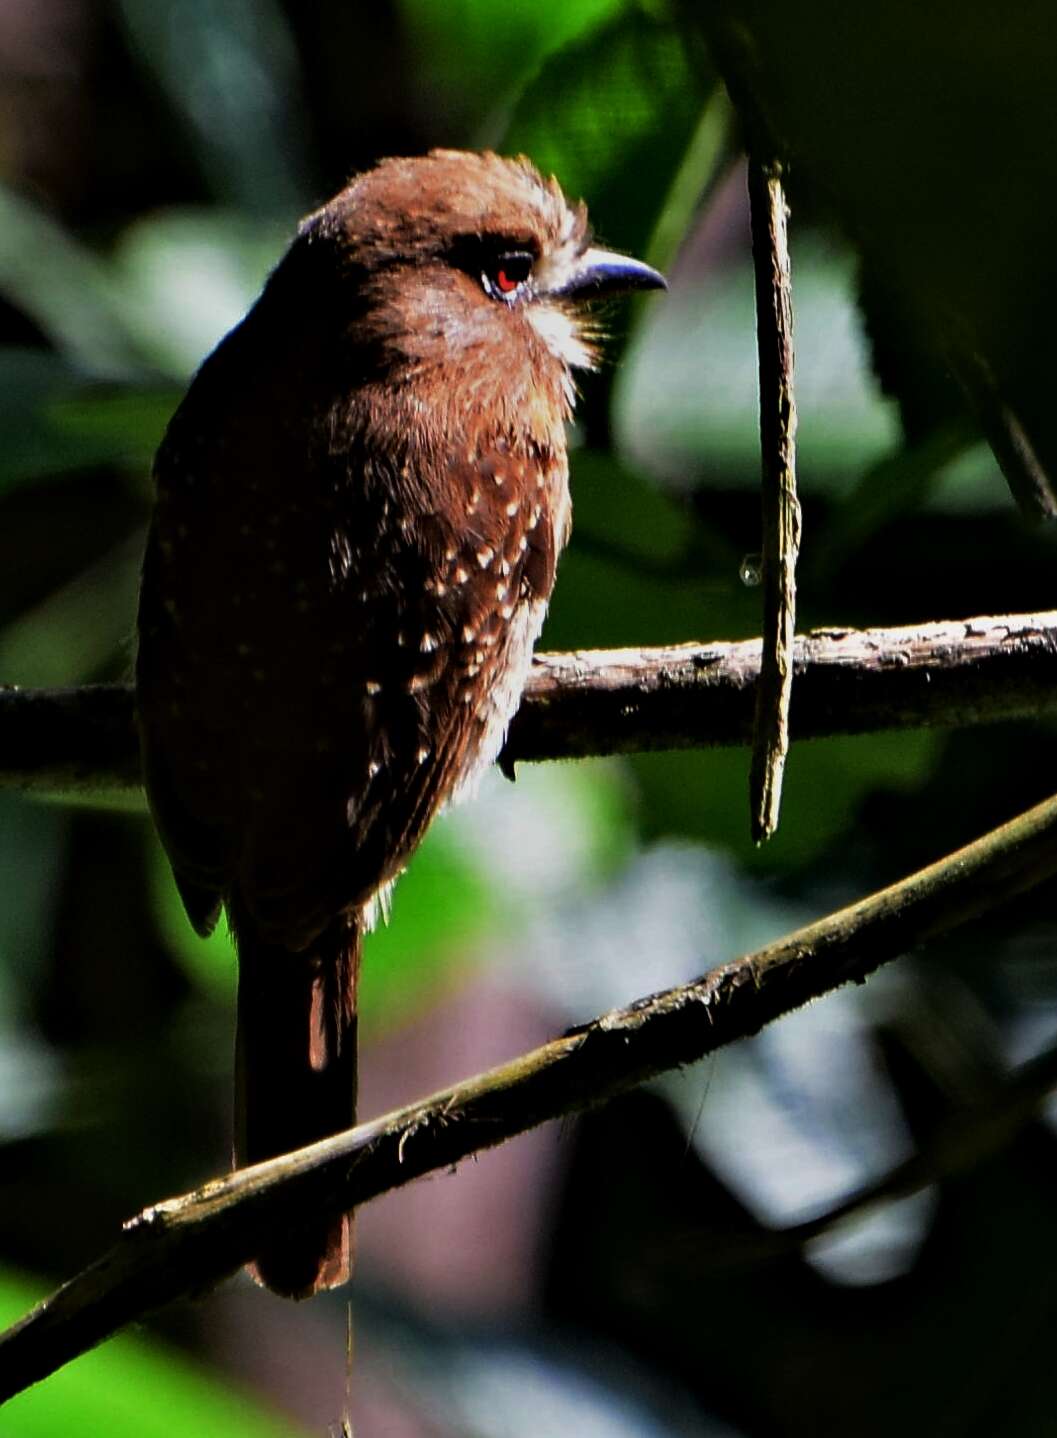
[(191, 1242), (780, 506), (625, 701)]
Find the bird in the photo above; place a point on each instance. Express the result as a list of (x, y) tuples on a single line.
[(359, 506)]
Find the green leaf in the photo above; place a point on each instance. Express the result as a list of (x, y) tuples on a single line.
[(129, 1388), (189, 276), (210, 963), (231, 72), (70, 293), (971, 483), (640, 569), (183, 279), (686, 398), (443, 907), (453, 904), (459, 43), (613, 115), (897, 484), (78, 629), (53, 421), (704, 794)]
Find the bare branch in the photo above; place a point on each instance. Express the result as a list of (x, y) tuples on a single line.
[(626, 701), (848, 681), (191, 1242), (69, 741)]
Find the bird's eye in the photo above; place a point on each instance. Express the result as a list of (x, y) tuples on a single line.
[(507, 273)]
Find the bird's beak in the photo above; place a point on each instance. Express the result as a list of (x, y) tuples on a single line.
[(603, 272)]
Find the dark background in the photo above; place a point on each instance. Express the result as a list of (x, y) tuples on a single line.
[(615, 1275)]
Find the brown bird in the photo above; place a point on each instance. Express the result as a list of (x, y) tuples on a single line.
[(360, 504)]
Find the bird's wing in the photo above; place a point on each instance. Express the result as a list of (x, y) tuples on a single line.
[(298, 742)]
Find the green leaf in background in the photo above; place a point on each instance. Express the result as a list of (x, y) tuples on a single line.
[(459, 43), (896, 485), (73, 634), (70, 293), (565, 827), (443, 906), (190, 275), (486, 868), (177, 281), (118, 427), (971, 483), (613, 115), (704, 794), (128, 1388), (209, 963), (53, 420), (230, 71), (640, 569), (33, 839), (686, 400)]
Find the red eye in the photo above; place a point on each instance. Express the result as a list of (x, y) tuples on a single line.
[(508, 273)]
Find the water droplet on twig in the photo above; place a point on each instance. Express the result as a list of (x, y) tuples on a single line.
[(750, 570)]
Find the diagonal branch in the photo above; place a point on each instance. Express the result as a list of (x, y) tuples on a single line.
[(624, 701), (191, 1242)]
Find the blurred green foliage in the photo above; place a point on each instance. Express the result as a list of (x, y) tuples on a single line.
[(613, 114), (465, 42), (128, 1389), (211, 128)]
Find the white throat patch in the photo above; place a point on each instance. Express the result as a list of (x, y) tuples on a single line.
[(559, 331)]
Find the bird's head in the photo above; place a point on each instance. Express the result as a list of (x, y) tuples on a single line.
[(475, 263)]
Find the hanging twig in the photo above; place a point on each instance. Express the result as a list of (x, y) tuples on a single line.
[(187, 1244), (781, 508)]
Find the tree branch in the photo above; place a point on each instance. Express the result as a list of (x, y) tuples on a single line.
[(626, 701), (189, 1243)]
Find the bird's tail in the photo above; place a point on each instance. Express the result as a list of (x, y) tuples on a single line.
[(295, 1080)]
